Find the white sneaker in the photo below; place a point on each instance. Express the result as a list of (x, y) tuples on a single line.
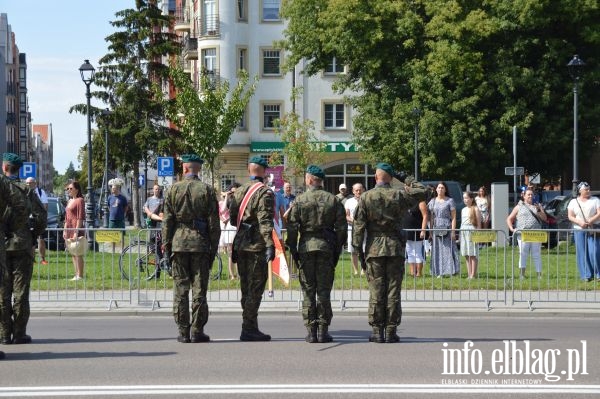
[(76, 278)]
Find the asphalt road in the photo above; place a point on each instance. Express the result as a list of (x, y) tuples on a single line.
[(123, 356)]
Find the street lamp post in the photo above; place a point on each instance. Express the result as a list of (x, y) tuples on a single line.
[(417, 114), (575, 67), (87, 75), (106, 114)]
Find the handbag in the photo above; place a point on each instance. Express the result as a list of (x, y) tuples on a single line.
[(77, 246)]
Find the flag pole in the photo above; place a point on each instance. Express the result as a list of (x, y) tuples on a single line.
[(270, 279)]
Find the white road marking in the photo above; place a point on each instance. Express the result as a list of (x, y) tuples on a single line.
[(108, 390)]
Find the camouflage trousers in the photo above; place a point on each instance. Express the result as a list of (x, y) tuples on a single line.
[(253, 270), (316, 279), (385, 282), (190, 270), (15, 284)]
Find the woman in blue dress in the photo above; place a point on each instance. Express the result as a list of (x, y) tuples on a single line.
[(444, 254)]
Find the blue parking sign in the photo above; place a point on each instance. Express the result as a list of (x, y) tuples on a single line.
[(141, 180), (165, 166), (28, 169)]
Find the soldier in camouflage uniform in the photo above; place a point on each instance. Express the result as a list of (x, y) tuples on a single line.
[(190, 232), (14, 276), (379, 215), (320, 219), (19, 263), (253, 245)]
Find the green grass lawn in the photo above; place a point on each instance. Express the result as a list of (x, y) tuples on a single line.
[(102, 273)]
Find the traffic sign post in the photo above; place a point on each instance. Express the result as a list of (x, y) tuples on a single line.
[(165, 166), (29, 169), (512, 171)]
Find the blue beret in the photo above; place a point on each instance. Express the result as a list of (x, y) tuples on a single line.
[(187, 158), (315, 171), (386, 167), (12, 158), (259, 161)]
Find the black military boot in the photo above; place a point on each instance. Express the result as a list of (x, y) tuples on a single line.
[(377, 335), (390, 335), (21, 339), (2, 355), (323, 335), (254, 335), (311, 337), (6, 340), (184, 337), (199, 337)]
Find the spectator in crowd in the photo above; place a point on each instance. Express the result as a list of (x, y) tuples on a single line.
[(343, 194), (286, 200), (75, 223), (153, 205), (227, 229), (416, 219), (41, 193), (444, 254), (117, 205), (350, 207), (484, 203), (154, 213), (470, 219), (525, 215), (584, 213)]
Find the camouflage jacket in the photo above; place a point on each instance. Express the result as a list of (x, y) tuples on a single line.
[(379, 216), (15, 219), (255, 232), (191, 217), (312, 212), (18, 236)]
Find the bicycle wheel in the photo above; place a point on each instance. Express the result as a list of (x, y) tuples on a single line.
[(217, 268), (137, 257)]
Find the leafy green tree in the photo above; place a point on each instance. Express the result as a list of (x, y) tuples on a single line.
[(301, 145), (128, 76), (474, 69), (207, 118)]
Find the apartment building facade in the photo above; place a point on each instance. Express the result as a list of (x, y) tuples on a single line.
[(16, 133), (221, 37)]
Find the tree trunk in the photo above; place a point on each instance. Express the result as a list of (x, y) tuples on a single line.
[(135, 198)]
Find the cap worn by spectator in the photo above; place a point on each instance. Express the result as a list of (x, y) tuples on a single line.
[(12, 159), (259, 161), (191, 158), (315, 171), (342, 187)]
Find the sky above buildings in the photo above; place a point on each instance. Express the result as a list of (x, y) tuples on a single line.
[(57, 37)]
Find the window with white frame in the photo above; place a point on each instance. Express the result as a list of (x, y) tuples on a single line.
[(242, 10), (334, 67), (209, 59), (270, 10), (334, 116), (243, 124), (242, 58), (226, 181), (271, 60), (270, 113)]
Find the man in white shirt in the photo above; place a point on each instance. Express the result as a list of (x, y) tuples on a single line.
[(350, 206), (32, 184)]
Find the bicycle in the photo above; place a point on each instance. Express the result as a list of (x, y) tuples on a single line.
[(142, 257)]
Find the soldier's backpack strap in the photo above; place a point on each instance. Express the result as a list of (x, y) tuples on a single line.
[(253, 189)]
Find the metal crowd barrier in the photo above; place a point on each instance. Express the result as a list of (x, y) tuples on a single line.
[(122, 263)]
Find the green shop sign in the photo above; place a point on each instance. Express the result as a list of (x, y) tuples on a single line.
[(274, 146)]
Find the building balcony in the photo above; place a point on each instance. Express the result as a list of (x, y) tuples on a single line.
[(182, 20), (190, 48), (209, 26), (186, 65)]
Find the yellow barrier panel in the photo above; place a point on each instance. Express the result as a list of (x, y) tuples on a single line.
[(483, 236), (534, 236), (109, 236)]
